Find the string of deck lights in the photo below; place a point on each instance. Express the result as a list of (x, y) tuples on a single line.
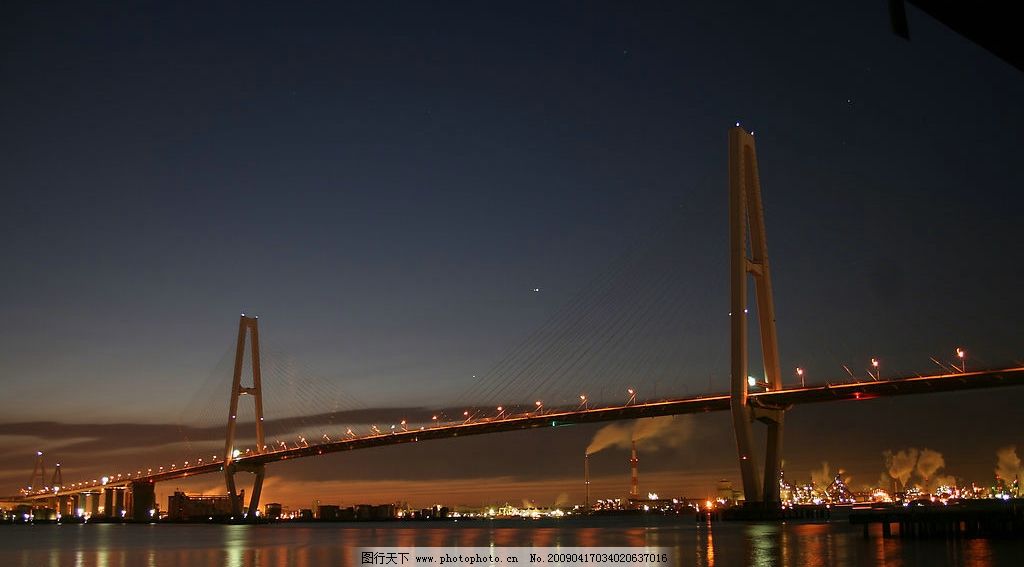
[(874, 372)]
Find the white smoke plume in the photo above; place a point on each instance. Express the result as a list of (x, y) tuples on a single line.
[(651, 434), (924, 463), (1008, 464), (884, 482), (846, 478), (562, 499), (901, 465), (822, 477), (928, 463)]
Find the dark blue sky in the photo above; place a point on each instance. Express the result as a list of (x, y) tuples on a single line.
[(385, 183)]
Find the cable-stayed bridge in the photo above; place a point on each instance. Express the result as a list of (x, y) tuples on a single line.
[(558, 353)]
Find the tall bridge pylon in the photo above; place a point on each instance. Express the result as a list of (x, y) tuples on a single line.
[(57, 480), (746, 221), (247, 327), (38, 478)]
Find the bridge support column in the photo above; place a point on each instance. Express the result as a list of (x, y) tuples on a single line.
[(119, 503), (94, 504), (257, 487), (247, 326), (746, 220), (143, 501), (77, 503), (108, 502), (773, 420)]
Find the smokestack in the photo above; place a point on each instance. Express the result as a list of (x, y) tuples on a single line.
[(586, 482), (634, 488)]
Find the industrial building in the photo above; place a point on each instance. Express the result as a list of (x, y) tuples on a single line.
[(181, 506)]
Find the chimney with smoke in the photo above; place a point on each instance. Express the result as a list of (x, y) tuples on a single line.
[(634, 487), (586, 482)]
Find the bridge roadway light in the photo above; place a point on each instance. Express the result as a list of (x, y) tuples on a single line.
[(874, 363), (434, 419), (800, 373), (751, 381), (539, 405), (632, 396), (962, 355)]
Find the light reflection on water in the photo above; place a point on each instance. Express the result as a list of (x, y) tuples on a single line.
[(309, 545)]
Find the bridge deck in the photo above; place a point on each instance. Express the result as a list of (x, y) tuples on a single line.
[(556, 417)]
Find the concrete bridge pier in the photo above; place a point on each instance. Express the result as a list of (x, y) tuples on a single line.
[(108, 502), (257, 488), (119, 503)]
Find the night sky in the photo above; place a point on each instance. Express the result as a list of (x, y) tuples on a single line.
[(386, 184)]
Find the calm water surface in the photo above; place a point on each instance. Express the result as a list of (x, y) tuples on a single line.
[(308, 545)]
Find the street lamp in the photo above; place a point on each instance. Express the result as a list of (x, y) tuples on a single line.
[(874, 364), (800, 373), (583, 402), (962, 355), (632, 396), (539, 405)]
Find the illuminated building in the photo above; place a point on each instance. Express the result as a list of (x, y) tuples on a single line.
[(181, 506), (272, 511)]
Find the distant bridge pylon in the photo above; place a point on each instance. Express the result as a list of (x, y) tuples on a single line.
[(247, 326), (38, 478)]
